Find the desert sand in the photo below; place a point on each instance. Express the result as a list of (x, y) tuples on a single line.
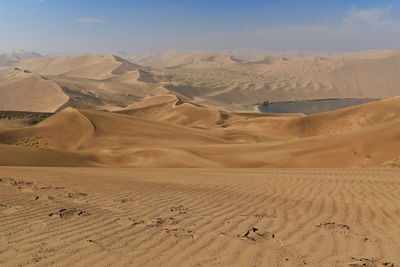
[(26, 91), (166, 131), (199, 217), (214, 79)]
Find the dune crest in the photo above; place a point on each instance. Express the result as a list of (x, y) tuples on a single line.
[(167, 131), (24, 91), (87, 66), (218, 79)]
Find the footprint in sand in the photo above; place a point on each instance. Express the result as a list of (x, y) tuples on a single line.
[(51, 188), (180, 233), (124, 200), (19, 183), (128, 222), (69, 213), (24, 186), (369, 240), (3, 206), (179, 209), (6, 180), (256, 235), (77, 197), (369, 262), (332, 226), (159, 222), (259, 215), (43, 197)]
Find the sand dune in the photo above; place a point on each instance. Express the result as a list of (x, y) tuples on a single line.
[(278, 79), (208, 217), (164, 130), (182, 59), (87, 66), (217, 79), (24, 91), (169, 132), (95, 82), (172, 109), (169, 108), (9, 59)]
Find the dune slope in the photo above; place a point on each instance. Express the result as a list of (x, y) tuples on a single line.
[(216, 79), (24, 91), (169, 132), (279, 79)]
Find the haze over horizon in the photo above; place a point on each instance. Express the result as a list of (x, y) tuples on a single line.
[(103, 27)]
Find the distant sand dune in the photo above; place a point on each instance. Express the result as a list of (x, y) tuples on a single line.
[(217, 79), (278, 79), (24, 91), (87, 66), (94, 82)]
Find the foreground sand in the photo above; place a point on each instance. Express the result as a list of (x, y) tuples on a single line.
[(199, 217)]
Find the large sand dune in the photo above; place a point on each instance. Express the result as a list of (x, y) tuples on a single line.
[(25, 91), (209, 217), (87, 66), (182, 59), (279, 79), (10, 58), (95, 82), (217, 79), (169, 132)]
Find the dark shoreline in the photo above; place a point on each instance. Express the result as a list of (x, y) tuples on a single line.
[(314, 106)]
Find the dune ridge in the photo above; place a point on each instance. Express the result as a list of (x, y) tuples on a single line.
[(279, 79), (24, 91), (86, 66), (218, 79), (166, 131)]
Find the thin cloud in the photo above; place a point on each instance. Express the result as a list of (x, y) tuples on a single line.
[(357, 29), (370, 15), (89, 20)]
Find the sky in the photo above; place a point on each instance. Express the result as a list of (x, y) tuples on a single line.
[(108, 26)]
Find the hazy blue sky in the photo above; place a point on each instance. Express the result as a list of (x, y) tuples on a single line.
[(104, 26)]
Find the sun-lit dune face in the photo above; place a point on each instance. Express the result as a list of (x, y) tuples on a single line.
[(167, 131), (25, 91), (88, 66), (217, 79), (183, 59), (279, 79), (182, 115), (95, 82)]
